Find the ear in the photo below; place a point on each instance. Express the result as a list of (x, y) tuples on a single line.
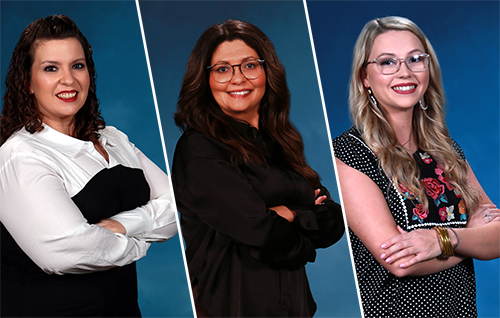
[(364, 77), (30, 90)]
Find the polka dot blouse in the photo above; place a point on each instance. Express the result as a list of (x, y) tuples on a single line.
[(449, 293)]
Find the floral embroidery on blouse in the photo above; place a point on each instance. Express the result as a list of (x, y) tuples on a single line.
[(462, 210), (440, 171), (435, 189), (446, 213), (407, 193), (419, 213), (425, 157)]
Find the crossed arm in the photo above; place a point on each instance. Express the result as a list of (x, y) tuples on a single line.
[(480, 239), (414, 253), (44, 221)]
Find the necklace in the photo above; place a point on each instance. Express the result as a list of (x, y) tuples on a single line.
[(408, 139)]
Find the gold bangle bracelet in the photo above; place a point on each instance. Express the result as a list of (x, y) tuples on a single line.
[(444, 236)]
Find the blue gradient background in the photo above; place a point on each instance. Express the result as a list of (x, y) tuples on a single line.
[(465, 35), (172, 29), (455, 29), (124, 89)]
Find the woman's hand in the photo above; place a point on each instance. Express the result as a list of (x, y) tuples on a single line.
[(423, 244), (480, 216), (319, 199), (284, 212), (112, 225)]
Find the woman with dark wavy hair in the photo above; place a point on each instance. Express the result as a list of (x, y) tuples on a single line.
[(252, 210), (80, 204)]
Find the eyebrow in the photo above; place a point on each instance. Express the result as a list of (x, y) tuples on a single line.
[(392, 54), (56, 62), (251, 57)]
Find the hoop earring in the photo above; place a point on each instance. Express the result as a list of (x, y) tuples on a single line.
[(372, 97), (422, 106)]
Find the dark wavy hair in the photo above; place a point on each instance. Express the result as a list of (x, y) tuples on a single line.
[(198, 109), (19, 108)]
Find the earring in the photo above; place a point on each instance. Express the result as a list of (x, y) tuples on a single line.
[(422, 106), (372, 97)]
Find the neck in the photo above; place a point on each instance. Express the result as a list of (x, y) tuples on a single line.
[(251, 120), (65, 127), (402, 124)]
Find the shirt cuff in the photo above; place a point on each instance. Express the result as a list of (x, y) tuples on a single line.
[(137, 222)]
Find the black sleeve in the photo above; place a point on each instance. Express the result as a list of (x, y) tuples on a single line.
[(323, 224), (208, 185)]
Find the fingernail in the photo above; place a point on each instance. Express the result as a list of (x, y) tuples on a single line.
[(402, 265), (382, 256), (383, 245), (388, 260)]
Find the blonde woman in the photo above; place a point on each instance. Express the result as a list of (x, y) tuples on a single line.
[(416, 212)]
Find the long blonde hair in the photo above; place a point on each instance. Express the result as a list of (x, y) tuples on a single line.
[(429, 125)]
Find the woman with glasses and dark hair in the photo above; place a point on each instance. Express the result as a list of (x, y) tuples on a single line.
[(416, 212), (79, 203), (252, 210)]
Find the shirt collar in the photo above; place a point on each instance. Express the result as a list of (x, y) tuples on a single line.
[(68, 145)]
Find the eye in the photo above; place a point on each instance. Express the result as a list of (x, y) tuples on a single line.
[(79, 66), (50, 68), (250, 65), (222, 68), (386, 62), (414, 59)]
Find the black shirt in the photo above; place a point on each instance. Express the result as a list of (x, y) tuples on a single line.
[(244, 259)]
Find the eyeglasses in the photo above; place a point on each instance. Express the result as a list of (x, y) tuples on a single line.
[(391, 65), (223, 72)]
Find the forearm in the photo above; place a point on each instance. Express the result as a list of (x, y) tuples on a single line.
[(155, 221), (323, 224), (482, 243), (43, 220), (428, 267), (88, 248)]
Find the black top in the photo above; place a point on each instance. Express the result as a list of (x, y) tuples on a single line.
[(27, 291), (446, 294), (245, 260)]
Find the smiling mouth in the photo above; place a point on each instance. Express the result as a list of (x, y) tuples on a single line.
[(66, 95), (240, 92), (404, 88)]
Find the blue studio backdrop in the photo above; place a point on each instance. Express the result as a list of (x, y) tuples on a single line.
[(124, 90), (172, 29), (465, 35), (459, 31)]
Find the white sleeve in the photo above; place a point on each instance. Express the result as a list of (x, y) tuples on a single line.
[(154, 221), (47, 225)]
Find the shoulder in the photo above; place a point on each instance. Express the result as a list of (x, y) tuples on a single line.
[(457, 148), (195, 144), (25, 148), (350, 148), (112, 133), (117, 138), (21, 142)]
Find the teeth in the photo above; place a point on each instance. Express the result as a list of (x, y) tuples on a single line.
[(404, 88), (66, 95), (240, 93)]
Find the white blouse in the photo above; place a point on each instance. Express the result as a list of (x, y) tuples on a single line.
[(39, 173)]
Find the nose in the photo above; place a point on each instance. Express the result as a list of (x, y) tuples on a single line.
[(67, 77), (238, 76), (404, 71)]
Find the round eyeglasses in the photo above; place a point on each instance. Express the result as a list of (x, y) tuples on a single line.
[(390, 65), (223, 72)]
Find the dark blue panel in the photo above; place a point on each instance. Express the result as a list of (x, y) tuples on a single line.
[(172, 29), (465, 35), (124, 89)]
